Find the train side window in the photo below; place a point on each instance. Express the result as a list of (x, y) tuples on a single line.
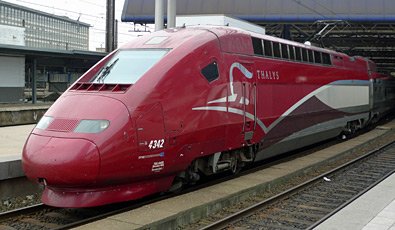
[(317, 57), (284, 51), (276, 50), (311, 57), (291, 52), (304, 55), (298, 54), (326, 59), (257, 45), (210, 72), (268, 48)]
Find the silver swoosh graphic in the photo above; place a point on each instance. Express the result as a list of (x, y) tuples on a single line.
[(235, 111), (259, 122), (232, 97)]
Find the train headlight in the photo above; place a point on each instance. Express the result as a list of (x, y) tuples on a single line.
[(92, 126), (44, 122)]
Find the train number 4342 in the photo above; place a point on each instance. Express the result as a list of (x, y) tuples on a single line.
[(156, 144)]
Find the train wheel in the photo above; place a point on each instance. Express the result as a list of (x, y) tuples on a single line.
[(177, 185), (235, 165)]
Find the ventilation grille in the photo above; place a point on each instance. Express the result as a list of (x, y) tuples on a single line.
[(95, 87), (63, 125)]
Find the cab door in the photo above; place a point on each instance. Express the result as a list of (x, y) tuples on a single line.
[(249, 103), (248, 100), (151, 140), (242, 96)]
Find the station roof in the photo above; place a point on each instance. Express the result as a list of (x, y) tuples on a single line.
[(77, 59), (356, 27), (38, 52), (271, 10)]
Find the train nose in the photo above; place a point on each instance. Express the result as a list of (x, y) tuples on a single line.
[(61, 161)]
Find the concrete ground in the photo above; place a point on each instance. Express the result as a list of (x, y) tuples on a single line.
[(12, 139), (374, 210)]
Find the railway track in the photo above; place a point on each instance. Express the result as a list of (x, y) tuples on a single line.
[(309, 204), (41, 216), (45, 217)]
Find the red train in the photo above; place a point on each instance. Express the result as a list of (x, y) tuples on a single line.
[(180, 103)]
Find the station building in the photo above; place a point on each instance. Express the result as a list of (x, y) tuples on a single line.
[(42, 51), (31, 28)]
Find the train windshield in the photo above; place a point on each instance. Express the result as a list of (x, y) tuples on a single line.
[(127, 66)]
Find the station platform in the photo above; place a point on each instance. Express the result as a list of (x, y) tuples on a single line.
[(22, 114), (374, 210), (16, 122), (12, 178), (12, 139)]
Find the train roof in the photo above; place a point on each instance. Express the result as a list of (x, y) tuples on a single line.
[(168, 38), (218, 31), (172, 38)]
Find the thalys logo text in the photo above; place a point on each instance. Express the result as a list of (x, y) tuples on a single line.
[(267, 75)]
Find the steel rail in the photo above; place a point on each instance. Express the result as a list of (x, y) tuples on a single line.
[(223, 223)]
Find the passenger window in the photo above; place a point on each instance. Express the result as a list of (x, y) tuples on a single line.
[(304, 55), (291, 52), (284, 51), (257, 45), (298, 54), (311, 57), (326, 59), (317, 57), (268, 48), (276, 49), (210, 72)]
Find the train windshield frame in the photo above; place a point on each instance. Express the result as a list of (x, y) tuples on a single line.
[(127, 66)]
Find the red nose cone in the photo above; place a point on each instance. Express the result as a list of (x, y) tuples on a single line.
[(67, 162)]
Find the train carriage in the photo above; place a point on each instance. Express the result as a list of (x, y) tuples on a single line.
[(165, 109)]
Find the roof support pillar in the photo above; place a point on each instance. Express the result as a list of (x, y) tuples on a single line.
[(110, 17), (171, 13), (286, 33), (116, 34), (159, 14), (34, 82)]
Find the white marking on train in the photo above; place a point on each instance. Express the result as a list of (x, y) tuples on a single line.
[(233, 96), (265, 128), (158, 166)]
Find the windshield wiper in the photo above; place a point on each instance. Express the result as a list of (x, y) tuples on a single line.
[(103, 74)]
